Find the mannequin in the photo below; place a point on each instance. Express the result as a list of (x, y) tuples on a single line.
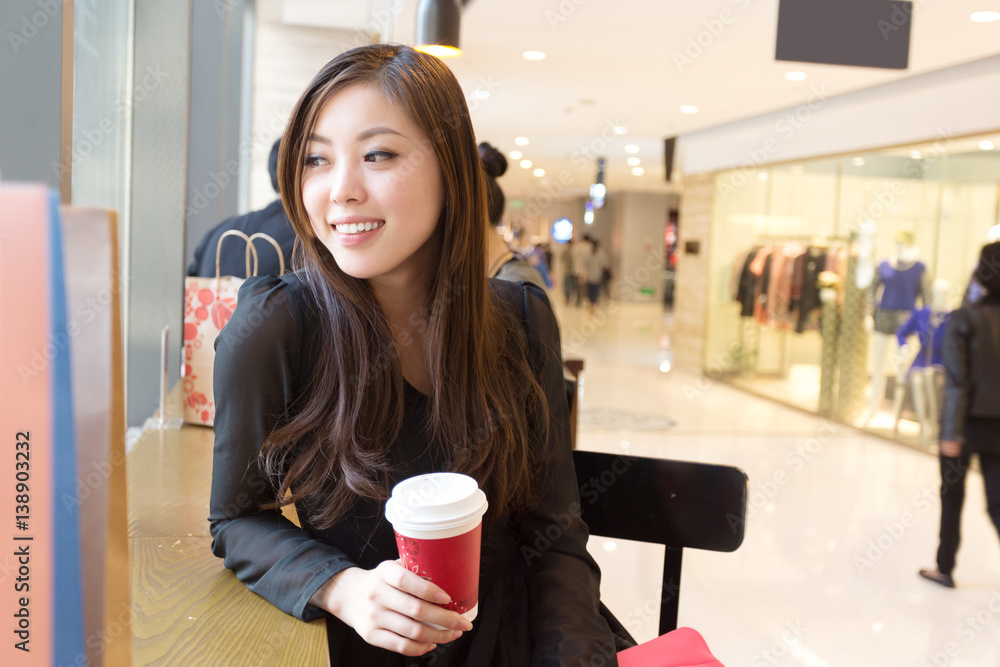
[(929, 324), (896, 285)]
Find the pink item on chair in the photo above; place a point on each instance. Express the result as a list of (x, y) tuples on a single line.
[(683, 647)]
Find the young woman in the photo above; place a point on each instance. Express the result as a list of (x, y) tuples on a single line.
[(388, 354)]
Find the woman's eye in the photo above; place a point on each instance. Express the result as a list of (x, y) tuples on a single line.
[(378, 156), (314, 161)]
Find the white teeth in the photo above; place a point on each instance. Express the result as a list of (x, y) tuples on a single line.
[(355, 228)]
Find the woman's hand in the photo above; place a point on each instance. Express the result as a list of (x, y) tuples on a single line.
[(951, 448), (390, 606)]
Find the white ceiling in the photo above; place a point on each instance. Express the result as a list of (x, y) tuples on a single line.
[(615, 62)]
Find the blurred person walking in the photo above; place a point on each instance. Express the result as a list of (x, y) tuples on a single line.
[(597, 264), (571, 272), (970, 421)]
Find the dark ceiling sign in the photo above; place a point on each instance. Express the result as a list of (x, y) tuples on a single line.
[(861, 33)]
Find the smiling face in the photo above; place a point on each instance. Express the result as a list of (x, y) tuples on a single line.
[(372, 188)]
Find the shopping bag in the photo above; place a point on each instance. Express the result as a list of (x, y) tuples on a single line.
[(683, 647), (92, 290), (208, 305), (40, 566)]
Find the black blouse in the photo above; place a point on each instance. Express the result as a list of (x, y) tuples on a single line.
[(539, 588)]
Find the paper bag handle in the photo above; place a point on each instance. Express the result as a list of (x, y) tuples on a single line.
[(277, 248), (250, 250)]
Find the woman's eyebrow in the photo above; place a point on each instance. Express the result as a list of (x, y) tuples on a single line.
[(366, 134)]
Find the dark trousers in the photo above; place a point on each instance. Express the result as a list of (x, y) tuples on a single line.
[(981, 435), (571, 287)]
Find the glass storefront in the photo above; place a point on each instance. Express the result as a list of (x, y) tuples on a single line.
[(820, 268)]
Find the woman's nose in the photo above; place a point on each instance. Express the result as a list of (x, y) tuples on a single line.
[(345, 185)]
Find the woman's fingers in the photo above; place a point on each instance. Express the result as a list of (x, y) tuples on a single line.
[(397, 576), (393, 642), (418, 598), (422, 612), (416, 631)]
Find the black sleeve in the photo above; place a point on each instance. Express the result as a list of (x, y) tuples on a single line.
[(256, 383), (563, 579), (956, 372)]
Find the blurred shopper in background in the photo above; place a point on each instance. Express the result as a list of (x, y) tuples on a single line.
[(597, 264), (571, 272), (502, 262), (970, 421), (582, 250), (270, 220)]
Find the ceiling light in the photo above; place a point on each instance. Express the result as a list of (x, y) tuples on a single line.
[(481, 94), (984, 17), (525, 164), (438, 24), (638, 171), (588, 217), (521, 141), (620, 130), (631, 148), (610, 546), (634, 161), (795, 76), (986, 145), (539, 172), (689, 108), (515, 155), (534, 55), (858, 162), (762, 176), (916, 155)]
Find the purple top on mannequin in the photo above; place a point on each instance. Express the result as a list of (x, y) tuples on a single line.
[(901, 287)]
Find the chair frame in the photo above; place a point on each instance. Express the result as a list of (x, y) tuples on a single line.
[(679, 504)]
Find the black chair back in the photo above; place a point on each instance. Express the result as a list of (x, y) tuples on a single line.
[(678, 504)]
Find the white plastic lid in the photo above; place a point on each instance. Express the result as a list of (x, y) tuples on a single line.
[(438, 501)]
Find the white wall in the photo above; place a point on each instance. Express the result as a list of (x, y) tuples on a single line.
[(947, 103)]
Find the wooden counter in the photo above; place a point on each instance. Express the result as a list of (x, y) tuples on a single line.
[(187, 608)]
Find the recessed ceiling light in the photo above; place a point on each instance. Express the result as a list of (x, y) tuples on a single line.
[(638, 171), (521, 141), (858, 162), (526, 164), (620, 130), (984, 17), (916, 155), (631, 148), (481, 94), (795, 76), (515, 155), (762, 176), (986, 145), (534, 55), (539, 172), (610, 546), (689, 108), (634, 161)]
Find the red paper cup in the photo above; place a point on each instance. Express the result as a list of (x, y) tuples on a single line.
[(437, 519)]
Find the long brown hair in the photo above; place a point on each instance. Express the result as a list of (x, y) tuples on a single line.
[(486, 408)]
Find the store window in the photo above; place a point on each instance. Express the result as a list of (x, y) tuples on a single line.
[(829, 278)]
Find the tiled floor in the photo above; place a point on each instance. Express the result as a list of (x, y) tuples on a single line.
[(839, 521)]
